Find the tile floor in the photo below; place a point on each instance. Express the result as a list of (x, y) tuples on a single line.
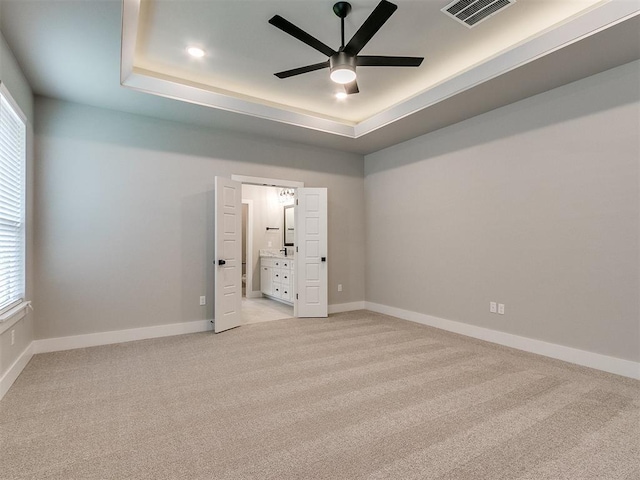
[(255, 310)]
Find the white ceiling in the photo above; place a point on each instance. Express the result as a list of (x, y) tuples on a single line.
[(82, 51)]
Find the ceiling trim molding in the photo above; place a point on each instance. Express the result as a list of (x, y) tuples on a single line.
[(572, 31), (146, 81)]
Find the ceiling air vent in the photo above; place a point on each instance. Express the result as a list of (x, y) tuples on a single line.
[(472, 12)]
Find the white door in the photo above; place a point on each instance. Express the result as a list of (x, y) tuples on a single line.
[(311, 257), (228, 254)]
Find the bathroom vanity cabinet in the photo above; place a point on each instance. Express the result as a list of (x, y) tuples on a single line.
[(276, 278)]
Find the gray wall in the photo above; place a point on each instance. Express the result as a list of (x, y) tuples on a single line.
[(13, 79), (124, 215), (534, 205)]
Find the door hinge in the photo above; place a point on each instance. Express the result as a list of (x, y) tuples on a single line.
[(296, 201), (296, 249), (296, 296)]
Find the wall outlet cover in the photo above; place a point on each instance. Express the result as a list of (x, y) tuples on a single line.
[(501, 308), (203, 300), (493, 307)]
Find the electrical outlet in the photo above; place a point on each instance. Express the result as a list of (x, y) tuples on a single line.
[(493, 307), (203, 300), (501, 308), (13, 337), (339, 287)]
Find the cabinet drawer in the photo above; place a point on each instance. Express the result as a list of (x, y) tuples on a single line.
[(285, 278), (277, 290), (287, 264), (285, 293), (277, 275)]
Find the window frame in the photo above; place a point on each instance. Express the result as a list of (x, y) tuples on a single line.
[(17, 305)]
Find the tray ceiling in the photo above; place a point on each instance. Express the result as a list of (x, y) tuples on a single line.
[(86, 51), (242, 52)]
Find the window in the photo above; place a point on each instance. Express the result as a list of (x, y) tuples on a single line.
[(13, 138)]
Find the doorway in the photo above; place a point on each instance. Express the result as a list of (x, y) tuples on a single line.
[(263, 244), (301, 281)]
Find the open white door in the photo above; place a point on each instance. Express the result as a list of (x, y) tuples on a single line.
[(228, 254), (311, 257)]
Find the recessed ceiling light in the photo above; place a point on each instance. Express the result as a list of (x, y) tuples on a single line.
[(195, 52), (341, 95)]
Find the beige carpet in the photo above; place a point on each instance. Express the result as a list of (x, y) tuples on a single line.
[(357, 395)]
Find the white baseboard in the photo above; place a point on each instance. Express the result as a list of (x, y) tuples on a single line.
[(254, 294), (605, 363), (346, 307), (119, 336), (15, 369)]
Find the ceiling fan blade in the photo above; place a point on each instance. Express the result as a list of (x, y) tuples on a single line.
[(378, 61), (351, 88), (301, 70), (288, 27), (370, 27)]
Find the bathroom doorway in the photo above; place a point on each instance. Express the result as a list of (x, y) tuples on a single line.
[(263, 232), (298, 279)]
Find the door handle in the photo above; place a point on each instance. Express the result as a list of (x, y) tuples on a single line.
[(222, 262), (324, 259)]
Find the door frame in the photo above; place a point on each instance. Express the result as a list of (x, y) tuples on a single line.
[(250, 293), (266, 182)]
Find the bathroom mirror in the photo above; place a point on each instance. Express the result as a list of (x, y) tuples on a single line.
[(288, 226)]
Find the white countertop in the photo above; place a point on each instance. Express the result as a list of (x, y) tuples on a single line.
[(274, 254)]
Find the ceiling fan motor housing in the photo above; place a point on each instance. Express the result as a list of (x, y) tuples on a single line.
[(342, 59)]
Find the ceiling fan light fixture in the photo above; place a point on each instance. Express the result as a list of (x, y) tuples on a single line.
[(343, 75), (195, 52), (341, 95), (343, 68)]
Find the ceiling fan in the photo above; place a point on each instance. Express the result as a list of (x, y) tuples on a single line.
[(343, 63)]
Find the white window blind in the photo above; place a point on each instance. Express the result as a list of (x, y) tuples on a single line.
[(12, 202)]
